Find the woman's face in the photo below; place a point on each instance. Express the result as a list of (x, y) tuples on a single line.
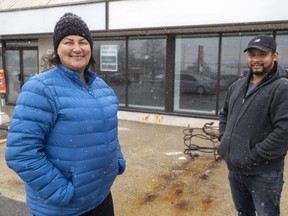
[(74, 53)]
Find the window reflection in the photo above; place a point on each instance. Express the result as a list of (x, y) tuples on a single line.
[(110, 56), (30, 63), (147, 67), (282, 42), (12, 58), (195, 81)]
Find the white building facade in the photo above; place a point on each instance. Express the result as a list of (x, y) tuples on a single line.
[(165, 59)]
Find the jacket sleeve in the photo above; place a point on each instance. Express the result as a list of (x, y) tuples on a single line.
[(32, 120), (275, 144)]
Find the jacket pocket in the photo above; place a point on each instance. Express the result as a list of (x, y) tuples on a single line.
[(240, 153), (223, 149)]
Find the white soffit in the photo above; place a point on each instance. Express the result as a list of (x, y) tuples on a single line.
[(44, 20), (6, 5), (163, 13)]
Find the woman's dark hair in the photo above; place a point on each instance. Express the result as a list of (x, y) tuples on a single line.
[(54, 60)]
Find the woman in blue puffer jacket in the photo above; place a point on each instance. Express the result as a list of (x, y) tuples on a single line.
[(63, 138)]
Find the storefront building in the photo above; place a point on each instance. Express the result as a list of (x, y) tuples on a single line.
[(162, 58)]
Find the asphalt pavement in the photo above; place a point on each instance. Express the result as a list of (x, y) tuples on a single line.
[(151, 149), (160, 180), (9, 207)]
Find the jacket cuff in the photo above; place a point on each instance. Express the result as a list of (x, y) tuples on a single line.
[(122, 166)]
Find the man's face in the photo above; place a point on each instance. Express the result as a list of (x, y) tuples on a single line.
[(260, 62)]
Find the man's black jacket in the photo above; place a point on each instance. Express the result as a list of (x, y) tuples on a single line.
[(254, 127)]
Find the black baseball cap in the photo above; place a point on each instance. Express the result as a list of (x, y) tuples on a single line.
[(262, 42)]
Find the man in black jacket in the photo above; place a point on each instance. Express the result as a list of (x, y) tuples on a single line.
[(254, 131)]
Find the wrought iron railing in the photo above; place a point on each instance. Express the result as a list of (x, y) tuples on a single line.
[(194, 140)]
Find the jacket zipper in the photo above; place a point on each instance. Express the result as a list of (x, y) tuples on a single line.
[(88, 90)]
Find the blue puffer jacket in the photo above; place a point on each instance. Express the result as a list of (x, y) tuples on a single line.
[(63, 142)]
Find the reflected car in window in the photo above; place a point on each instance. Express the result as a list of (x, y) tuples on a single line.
[(225, 79), (195, 83), (116, 78)]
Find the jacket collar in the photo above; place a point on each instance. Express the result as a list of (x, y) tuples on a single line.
[(74, 76)]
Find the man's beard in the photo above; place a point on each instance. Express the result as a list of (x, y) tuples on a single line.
[(264, 70)]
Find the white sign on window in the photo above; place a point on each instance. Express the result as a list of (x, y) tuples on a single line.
[(108, 58)]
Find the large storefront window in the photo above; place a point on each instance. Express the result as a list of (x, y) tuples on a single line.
[(142, 84), (110, 56), (147, 68), (135, 67), (195, 84), (282, 43)]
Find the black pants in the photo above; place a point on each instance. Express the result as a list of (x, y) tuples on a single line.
[(106, 208)]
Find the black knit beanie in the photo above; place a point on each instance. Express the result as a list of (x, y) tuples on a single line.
[(71, 24)]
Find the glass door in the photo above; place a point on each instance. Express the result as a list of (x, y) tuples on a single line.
[(20, 65)]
